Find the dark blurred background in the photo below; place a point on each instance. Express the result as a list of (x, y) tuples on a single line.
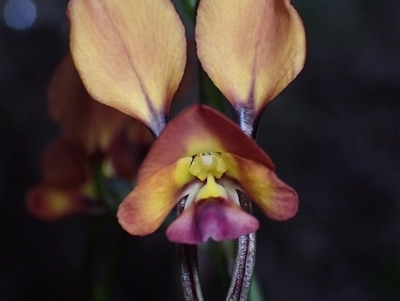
[(333, 135)]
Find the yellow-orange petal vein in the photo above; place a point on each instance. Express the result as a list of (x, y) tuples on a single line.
[(250, 49), (130, 54)]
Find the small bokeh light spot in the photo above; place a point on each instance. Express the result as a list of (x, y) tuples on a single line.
[(19, 14)]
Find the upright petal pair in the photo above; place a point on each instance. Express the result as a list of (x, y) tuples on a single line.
[(131, 55)]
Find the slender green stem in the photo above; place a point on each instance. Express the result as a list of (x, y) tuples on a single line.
[(93, 291), (256, 293), (209, 93), (99, 181), (94, 231), (190, 7), (222, 255), (89, 257), (106, 286)]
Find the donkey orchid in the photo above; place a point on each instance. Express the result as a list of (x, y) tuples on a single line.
[(210, 158), (131, 55), (92, 133)]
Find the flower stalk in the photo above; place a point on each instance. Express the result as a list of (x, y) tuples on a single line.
[(245, 260), (188, 265)]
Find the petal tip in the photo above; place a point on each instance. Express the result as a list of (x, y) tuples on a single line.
[(128, 218), (291, 205)]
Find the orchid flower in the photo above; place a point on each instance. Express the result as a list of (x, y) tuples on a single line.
[(131, 56), (92, 133), (209, 160)]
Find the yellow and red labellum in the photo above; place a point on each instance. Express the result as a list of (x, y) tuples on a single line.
[(218, 219), (214, 211)]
